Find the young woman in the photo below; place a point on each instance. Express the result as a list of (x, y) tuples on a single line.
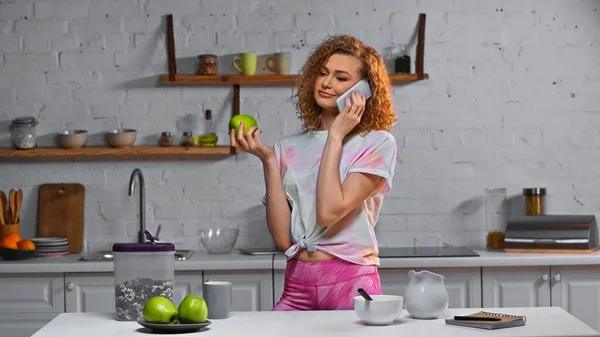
[(325, 185)]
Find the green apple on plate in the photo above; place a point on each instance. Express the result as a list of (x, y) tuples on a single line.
[(192, 310), (248, 120), (159, 309)]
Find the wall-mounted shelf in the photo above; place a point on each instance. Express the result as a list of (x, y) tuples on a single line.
[(53, 154), (183, 80)]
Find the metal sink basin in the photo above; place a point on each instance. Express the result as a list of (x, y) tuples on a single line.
[(106, 255)]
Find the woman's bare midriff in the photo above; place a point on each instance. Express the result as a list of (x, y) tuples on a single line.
[(306, 256)]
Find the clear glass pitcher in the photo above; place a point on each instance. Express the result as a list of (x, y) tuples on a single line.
[(495, 217)]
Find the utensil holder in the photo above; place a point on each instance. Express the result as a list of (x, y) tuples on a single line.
[(11, 228)]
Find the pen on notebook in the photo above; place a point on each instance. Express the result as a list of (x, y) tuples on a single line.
[(474, 318)]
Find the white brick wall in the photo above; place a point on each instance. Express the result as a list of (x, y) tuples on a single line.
[(512, 102)]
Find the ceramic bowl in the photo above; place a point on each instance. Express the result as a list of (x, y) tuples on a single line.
[(72, 139), (382, 310), (16, 254), (121, 137), (218, 240)]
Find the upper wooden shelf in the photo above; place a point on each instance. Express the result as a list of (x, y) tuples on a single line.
[(182, 80), (46, 154)]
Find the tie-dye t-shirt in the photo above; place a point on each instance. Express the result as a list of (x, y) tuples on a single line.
[(353, 237)]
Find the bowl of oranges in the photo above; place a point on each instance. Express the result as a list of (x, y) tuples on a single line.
[(12, 247)]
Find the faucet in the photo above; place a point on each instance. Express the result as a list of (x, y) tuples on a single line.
[(137, 172)]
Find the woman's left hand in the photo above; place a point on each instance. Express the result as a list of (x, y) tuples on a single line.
[(348, 118)]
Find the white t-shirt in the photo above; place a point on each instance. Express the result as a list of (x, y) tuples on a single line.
[(352, 238)]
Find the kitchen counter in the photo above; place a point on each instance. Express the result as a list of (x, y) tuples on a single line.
[(547, 321), (198, 261), (485, 259), (236, 261)]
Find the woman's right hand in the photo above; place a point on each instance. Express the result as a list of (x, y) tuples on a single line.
[(251, 143)]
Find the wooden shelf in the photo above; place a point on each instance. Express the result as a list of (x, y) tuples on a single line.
[(47, 154), (182, 80)]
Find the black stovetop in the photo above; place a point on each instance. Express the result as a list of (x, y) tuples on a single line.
[(426, 252)]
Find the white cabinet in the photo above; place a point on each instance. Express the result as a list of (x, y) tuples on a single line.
[(516, 287), (95, 292), (577, 290), (252, 290), (463, 284), (28, 302), (574, 288)]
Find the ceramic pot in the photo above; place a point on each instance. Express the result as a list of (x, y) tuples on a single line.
[(426, 296)]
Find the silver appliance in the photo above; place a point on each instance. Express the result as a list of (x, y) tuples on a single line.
[(426, 251), (561, 231)]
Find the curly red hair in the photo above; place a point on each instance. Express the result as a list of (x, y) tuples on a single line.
[(379, 113)]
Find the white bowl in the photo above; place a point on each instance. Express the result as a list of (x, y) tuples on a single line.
[(382, 310)]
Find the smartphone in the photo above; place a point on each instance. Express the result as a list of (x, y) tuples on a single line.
[(363, 88)]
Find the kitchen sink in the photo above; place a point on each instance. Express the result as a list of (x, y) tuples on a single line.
[(107, 255)]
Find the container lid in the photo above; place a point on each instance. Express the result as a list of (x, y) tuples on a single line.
[(208, 58), (25, 120), (143, 247), (534, 191)]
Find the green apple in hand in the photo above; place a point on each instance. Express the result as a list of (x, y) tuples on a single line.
[(160, 310), (248, 120), (192, 310)]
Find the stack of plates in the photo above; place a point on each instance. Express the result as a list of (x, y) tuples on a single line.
[(52, 246)]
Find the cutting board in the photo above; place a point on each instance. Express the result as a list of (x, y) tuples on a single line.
[(61, 213)]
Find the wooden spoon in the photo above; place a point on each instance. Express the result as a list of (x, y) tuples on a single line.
[(19, 201), (12, 201), (3, 204)]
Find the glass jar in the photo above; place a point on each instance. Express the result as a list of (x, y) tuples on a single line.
[(165, 139), (187, 140), (142, 271), (23, 134), (208, 64), (495, 217), (534, 200)]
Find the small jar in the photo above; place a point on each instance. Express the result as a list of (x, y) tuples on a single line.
[(187, 140), (208, 64), (23, 133), (534, 200), (165, 139)]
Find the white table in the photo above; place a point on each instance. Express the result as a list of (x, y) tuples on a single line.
[(547, 321)]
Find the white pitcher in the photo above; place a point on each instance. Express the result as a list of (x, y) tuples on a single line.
[(426, 295)]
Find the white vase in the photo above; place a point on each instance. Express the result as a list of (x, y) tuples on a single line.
[(426, 296)]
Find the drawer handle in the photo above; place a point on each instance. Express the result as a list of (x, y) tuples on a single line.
[(70, 286), (545, 277), (557, 278)]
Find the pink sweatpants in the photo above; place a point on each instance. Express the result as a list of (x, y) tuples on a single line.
[(325, 285)]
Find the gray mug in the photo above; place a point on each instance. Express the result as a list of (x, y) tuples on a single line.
[(217, 295)]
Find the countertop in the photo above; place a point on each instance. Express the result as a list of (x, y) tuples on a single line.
[(546, 321), (485, 259), (237, 261)]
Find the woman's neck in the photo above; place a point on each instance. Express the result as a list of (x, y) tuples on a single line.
[(327, 118)]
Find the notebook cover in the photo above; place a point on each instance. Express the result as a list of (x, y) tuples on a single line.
[(506, 321)]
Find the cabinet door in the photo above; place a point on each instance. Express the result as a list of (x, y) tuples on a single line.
[(278, 283), (90, 292), (577, 290), (95, 292), (516, 287), (463, 284), (252, 290), (28, 302)]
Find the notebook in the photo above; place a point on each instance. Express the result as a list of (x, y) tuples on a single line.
[(506, 321)]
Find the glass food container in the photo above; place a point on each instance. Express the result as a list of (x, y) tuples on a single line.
[(23, 134), (495, 217), (208, 64), (142, 271), (534, 200)]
